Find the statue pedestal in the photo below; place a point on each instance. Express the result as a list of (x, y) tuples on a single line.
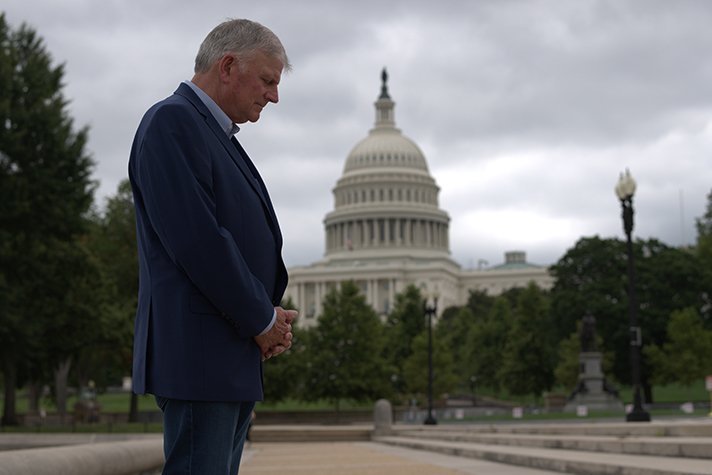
[(592, 390)]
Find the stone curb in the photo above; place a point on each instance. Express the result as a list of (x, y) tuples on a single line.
[(567, 461), (109, 458)]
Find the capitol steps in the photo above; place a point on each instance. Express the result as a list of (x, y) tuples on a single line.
[(617, 448)]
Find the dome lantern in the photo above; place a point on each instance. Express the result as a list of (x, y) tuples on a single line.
[(384, 106)]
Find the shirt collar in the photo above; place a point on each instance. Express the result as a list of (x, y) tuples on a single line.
[(224, 121)]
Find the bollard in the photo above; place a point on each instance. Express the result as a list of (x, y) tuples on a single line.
[(382, 418)]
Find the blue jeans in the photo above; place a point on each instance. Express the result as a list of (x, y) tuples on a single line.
[(203, 438)]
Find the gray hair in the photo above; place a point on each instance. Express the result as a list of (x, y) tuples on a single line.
[(243, 39)]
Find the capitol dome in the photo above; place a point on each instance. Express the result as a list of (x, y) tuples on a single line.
[(387, 232), (386, 201), (385, 145)]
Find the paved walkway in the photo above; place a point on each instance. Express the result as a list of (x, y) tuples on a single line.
[(364, 458)]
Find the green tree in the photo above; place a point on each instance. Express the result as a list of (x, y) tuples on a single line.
[(345, 350), (593, 276), (479, 302), (113, 241), (404, 323), (487, 340), (704, 231), (453, 334), (45, 189), (567, 370), (415, 368), (529, 359), (687, 356)]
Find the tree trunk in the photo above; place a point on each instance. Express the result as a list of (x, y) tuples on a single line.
[(133, 411), (9, 417), (34, 390), (60, 384)]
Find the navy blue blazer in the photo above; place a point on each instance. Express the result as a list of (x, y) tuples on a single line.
[(211, 270)]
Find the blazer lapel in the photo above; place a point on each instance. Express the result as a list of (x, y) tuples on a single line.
[(239, 157), (255, 179)]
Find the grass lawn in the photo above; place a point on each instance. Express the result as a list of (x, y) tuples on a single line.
[(120, 402), (114, 402), (673, 393)]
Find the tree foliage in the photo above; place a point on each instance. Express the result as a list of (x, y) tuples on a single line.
[(593, 276), (487, 340), (46, 275), (529, 358), (404, 323), (453, 333), (704, 231), (112, 241), (687, 355), (416, 370), (345, 350)]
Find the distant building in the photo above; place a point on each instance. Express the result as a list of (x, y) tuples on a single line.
[(387, 231)]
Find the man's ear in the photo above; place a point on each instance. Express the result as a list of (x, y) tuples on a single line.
[(227, 67)]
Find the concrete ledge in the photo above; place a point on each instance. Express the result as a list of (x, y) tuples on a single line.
[(699, 427), (15, 441), (113, 458), (567, 461), (696, 447)]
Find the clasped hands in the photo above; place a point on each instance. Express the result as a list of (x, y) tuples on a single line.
[(279, 338)]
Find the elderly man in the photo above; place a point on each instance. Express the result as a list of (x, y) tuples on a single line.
[(211, 271)]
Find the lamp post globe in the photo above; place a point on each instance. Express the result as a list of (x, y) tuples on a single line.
[(624, 191)]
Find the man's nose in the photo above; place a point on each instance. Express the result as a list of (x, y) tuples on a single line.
[(272, 95)]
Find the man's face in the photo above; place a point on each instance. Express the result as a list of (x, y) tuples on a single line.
[(251, 87)]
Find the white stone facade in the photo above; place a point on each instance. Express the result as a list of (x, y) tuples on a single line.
[(386, 231)]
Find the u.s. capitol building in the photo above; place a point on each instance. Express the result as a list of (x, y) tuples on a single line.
[(387, 231)]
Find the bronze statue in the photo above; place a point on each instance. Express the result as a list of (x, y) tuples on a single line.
[(587, 333)]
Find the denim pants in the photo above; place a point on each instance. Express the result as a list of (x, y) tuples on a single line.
[(203, 438)]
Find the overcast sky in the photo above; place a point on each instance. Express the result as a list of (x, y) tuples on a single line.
[(526, 111)]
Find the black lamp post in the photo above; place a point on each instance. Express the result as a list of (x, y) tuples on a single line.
[(429, 312), (625, 190)]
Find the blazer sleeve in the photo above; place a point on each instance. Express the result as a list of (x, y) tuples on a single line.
[(173, 168)]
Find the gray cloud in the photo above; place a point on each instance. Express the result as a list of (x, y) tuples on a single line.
[(527, 111)]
